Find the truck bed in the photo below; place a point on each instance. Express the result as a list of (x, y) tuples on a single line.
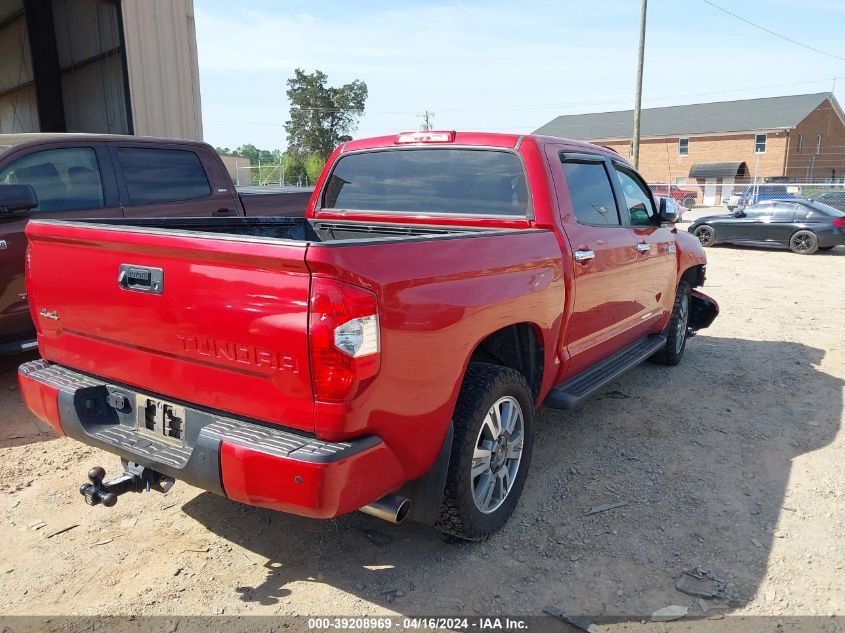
[(289, 229), (262, 201)]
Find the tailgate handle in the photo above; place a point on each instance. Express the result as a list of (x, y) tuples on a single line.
[(141, 278)]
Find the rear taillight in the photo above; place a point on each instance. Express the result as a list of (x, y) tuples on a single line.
[(839, 223), (344, 336)]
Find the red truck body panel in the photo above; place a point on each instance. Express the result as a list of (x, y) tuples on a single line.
[(190, 340)]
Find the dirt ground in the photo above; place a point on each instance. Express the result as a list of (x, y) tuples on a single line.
[(731, 462)]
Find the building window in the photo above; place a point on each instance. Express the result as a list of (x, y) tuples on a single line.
[(819, 144), (760, 144), (683, 146), (799, 144)]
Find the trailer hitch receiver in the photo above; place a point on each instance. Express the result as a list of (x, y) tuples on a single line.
[(134, 479)]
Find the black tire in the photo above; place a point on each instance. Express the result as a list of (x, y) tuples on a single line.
[(804, 242), (484, 385), (826, 248), (688, 201), (677, 330), (706, 234)]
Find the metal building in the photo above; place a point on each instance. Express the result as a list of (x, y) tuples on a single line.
[(112, 66)]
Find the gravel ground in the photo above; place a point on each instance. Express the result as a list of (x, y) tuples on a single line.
[(731, 462)]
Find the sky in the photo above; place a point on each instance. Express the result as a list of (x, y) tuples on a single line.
[(502, 66)]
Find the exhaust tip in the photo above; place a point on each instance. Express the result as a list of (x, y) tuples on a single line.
[(402, 510), (392, 508)]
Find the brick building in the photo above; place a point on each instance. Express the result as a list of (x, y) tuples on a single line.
[(718, 145)]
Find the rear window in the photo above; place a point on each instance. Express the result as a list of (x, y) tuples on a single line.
[(162, 175), (430, 180), (826, 209)]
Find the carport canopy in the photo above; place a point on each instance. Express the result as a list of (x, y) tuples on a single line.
[(717, 170)]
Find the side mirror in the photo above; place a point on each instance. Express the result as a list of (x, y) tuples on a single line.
[(17, 201), (669, 211)]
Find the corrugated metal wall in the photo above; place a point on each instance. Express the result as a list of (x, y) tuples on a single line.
[(18, 110), (160, 51), (161, 55)]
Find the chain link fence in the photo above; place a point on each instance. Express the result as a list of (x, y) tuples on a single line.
[(734, 195)]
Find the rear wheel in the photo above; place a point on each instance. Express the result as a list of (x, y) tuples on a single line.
[(688, 201), (677, 330), (804, 242), (706, 234), (491, 451)]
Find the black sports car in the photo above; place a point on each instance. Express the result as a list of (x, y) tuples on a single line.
[(805, 226)]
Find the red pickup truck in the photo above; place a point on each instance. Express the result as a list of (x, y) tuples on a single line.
[(387, 352)]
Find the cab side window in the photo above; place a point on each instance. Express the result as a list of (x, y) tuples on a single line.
[(640, 205), (590, 192), (162, 175), (783, 211), (64, 179)]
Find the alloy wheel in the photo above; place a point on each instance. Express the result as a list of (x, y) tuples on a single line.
[(704, 235), (497, 454), (683, 323), (802, 243)]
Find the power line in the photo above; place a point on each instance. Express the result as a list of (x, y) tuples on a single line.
[(770, 32)]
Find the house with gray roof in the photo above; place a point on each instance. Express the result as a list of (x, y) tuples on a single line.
[(718, 145)]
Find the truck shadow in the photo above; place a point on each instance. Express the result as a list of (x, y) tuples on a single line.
[(17, 425), (700, 454)]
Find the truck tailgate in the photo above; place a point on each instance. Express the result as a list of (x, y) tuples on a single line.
[(226, 326)]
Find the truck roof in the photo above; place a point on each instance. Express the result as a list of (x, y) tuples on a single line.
[(9, 140), (487, 139)]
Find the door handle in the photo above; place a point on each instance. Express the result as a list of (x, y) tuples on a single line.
[(223, 212), (583, 256), (643, 247)]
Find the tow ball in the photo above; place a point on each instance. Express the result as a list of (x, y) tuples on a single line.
[(138, 479)]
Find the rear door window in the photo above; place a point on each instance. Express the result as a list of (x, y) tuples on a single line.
[(65, 179), (590, 192), (781, 212), (162, 175), (429, 180)]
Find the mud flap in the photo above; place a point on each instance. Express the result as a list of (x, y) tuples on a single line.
[(703, 310), (426, 492)]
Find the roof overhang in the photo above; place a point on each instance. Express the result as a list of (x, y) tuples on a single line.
[(717, 170)]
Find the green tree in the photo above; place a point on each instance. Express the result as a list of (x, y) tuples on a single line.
[(294, 169), (321, 116), (313, 167)]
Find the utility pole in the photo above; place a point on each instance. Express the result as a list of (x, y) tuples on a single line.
[(639, 94), (427, 125)]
